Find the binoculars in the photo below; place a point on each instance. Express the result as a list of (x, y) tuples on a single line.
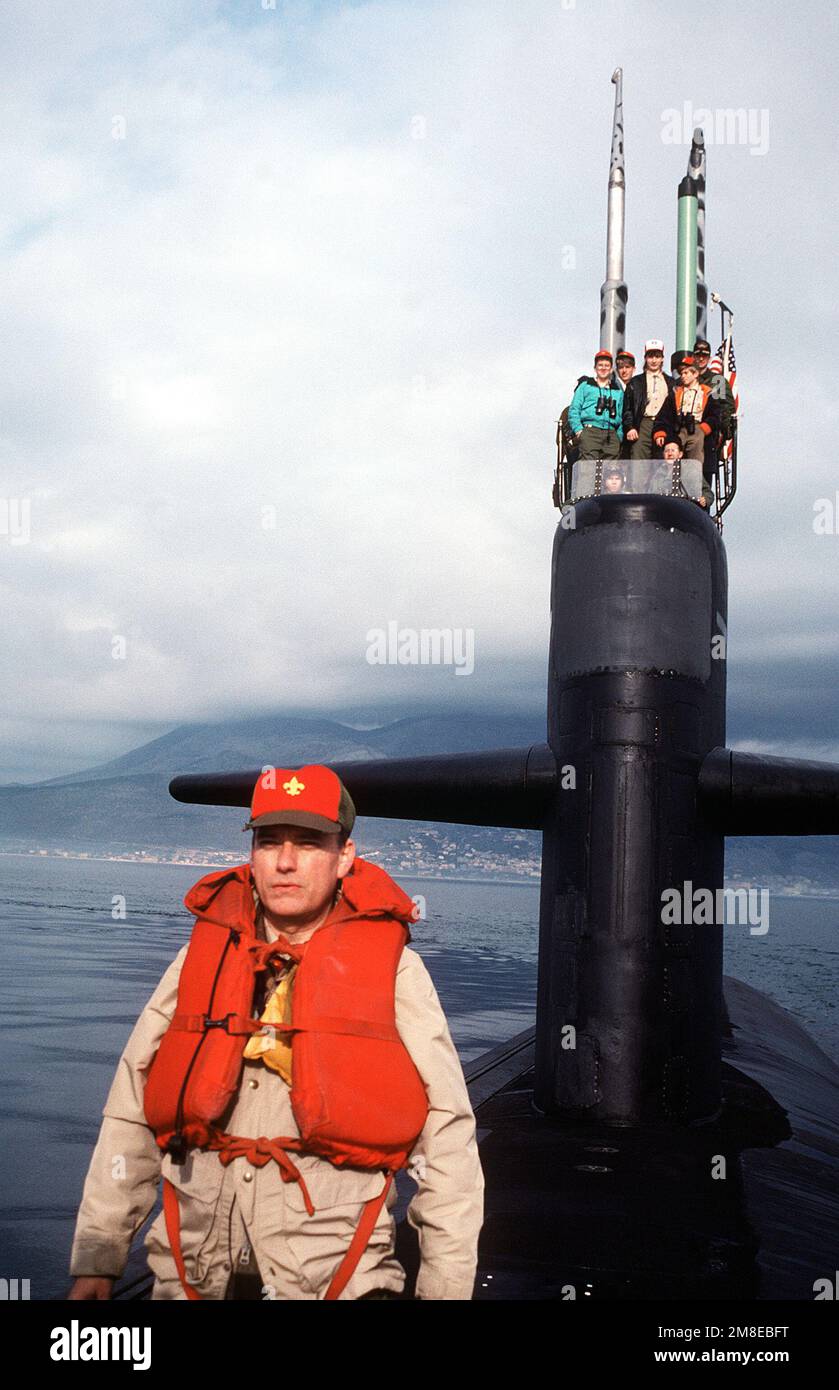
[(688, 423), (606, 403)]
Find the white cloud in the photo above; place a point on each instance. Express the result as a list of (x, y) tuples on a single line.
[(272, 294)]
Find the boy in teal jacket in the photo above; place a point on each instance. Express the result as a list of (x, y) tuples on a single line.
[(596, 412)]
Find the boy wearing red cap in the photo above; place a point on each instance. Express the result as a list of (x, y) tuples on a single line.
[(292, 1058), (595, 415), (624, 368)]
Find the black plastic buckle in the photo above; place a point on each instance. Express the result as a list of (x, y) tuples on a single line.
[(218, 1022), (177, 1149)]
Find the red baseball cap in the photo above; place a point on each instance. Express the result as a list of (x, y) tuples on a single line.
[(312, 796)]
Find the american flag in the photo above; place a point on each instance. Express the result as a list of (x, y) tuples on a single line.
[(730, 376)]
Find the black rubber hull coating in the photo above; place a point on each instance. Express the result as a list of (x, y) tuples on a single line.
[(629, 1008)]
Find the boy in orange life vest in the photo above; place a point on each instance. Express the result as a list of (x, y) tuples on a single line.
[(691, 413), (291, 1059)]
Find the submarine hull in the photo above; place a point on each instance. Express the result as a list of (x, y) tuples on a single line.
[(578, 1210)]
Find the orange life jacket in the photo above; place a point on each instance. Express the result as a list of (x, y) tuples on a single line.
[(704, 391), (356, 1094)]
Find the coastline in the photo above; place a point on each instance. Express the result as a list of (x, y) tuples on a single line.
[(419, 876)]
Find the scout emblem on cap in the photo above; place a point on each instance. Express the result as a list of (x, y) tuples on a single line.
[(313, 797)]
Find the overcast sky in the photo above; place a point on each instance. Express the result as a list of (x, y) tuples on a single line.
[(343, 261)]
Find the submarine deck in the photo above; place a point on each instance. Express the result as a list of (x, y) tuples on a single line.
[(616, 1213)]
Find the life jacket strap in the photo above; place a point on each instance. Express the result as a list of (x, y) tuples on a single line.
[(262, 953), (359, 1242), (349, 1027), (234, 1024), (172, 1217), (259, 1152)]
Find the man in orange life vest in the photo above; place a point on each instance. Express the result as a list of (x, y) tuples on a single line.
[(293, 1057)]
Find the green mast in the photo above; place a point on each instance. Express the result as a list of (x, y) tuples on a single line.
[(686, 261)]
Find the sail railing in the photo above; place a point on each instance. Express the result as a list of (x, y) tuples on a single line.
[(725, 478), (612, 477), (574, 481)]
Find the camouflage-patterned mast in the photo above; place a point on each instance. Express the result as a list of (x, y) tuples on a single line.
[(613, 291), (696, 171)]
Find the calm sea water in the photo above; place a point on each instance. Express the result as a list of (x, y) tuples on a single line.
[(74, 980)]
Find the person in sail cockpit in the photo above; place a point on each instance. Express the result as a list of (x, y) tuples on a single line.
[(673, 453)]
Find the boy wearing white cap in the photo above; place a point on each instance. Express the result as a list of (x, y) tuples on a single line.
[(643, 398)]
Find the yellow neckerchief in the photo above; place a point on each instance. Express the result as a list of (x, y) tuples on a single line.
[(274, 1047)]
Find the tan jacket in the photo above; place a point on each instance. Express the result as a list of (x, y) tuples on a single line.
[(296, 1254)]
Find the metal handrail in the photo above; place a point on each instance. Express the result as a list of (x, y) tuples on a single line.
[(725, 476)]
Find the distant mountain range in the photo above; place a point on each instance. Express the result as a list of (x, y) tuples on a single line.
[(290, 741), (125, 801), (124, 804)]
